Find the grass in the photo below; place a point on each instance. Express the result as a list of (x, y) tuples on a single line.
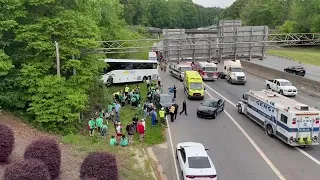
[(130, 168), (307, 55), (141, 55)]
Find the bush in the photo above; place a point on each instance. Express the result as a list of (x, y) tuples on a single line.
[(99, 165), (48, 151), (6, 142), (28, 169)]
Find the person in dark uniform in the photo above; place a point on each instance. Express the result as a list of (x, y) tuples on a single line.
[(176, 107), (174, 92), (184, 108)]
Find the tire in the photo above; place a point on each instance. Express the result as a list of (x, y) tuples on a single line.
[(215, 114), (144, 79), (109, 82), (176, 154), (239, 109), (281, 92), (269, 130), (222, 108), (300, 74), (268, 86)]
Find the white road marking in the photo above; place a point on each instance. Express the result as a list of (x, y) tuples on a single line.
[(172, 149), (308, 155), (299, 149), (266, 159)]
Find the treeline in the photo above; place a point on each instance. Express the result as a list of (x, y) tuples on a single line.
[(28, 79), (287, 16), (169, 14)]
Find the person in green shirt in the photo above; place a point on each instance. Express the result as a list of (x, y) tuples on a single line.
[(101, 113), (124, 141), (134, 101), (113, 141), (99, 123), (121, 99), (104, 131), (92, 126)]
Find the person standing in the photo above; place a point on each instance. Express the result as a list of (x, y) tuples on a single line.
[(104, 131), (159, 81), (126, 90), (119, 131), (135, 120), (130, 130), (140, 129), (91, 125), (184, 108), (171, 110), (148, 82), (153, 118), (174, 92), (176, 107), (162, 115), (99, 123)]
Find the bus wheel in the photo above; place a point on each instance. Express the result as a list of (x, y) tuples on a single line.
[(144, 79), (269, 130), (109, 82), (149, 77)]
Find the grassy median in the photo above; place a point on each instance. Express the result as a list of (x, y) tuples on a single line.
[(307, 55), (132, 161)]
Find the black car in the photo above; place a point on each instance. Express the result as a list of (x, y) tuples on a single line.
[(297, 70), (210, 108), (162, 100)]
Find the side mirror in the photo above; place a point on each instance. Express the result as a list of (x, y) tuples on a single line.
[(206, 149)]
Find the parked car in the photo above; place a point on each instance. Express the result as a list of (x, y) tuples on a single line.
[(194, 161), (210, 108), (162, 100), (297, 70)]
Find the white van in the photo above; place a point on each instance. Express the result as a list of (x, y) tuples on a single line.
[(233, 72)]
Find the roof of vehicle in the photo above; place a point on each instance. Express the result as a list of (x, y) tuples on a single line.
[(192, 73), (282, 80), (130, 60), (208, 64), (299, 67), (194, 149), (212, 99), (282, 101)]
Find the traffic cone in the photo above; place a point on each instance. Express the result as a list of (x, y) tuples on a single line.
[(301, 142), (309, 141)]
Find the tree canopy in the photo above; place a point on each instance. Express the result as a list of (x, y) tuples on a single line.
[(169, 14), (28, 79), (287, 16)]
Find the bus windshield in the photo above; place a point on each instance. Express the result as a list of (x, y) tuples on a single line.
[(129, 66), (196, 86)]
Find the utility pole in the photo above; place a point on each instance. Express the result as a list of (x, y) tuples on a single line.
[(58, 58)]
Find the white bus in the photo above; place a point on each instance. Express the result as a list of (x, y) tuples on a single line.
[(129, 70)]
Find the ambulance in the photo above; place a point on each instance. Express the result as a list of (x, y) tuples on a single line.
[(294, 123), (193, 85)]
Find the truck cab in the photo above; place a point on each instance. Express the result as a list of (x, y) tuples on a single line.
[(207, 70), (193, 85), (233, 72)]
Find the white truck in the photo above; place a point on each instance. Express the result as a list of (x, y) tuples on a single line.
[(177, 70), (233, 72), (282, 86), (294, 123)]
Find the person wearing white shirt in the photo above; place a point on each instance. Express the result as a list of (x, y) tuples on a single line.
[(159, 81)]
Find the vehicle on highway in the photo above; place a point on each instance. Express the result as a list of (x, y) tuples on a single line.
[(193, 85), (294, 123), (129, 70), (210, 108), (233, 72), (195, 162), (162, 100), (152, 56), (178, 70), (297, 70), (207, 70), (282, 86)]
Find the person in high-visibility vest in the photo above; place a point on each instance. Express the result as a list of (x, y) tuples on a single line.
[(172, 109), (162, 114), (126, 90)]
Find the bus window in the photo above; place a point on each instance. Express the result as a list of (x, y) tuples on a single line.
[(127, 66), (154, 65)]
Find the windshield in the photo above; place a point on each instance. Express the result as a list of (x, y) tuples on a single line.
[(285, 84), (196, 86), (236, 69), (209, 103), (165, 99), (209, 69), (184, 69), (199, 162)]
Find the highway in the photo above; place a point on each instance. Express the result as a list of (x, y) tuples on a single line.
[(238, 147), (312, 72)]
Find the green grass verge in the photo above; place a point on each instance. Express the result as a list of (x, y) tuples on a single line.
[(141, 55), (127, 157), (307, 55)]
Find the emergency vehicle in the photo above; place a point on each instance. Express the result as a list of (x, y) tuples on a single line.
[(207, 70), (294, 123)]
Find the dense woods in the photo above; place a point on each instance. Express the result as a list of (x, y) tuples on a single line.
[(287, 16), (169, 14)]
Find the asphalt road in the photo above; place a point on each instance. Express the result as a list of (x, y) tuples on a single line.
[(232, 153), (312, 72)]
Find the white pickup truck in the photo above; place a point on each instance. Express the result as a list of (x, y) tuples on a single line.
[(282, 86)]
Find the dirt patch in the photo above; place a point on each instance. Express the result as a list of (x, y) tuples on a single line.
[(25, 134)]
